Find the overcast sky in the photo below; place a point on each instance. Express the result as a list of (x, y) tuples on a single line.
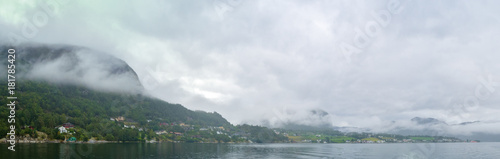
[(365, 63)]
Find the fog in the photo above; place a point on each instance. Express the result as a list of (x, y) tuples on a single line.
[(66, 64), (97, 71)]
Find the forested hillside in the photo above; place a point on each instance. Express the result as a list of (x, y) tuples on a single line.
[(45, 106)]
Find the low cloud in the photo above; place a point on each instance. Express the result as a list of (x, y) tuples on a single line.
[(75, 65)]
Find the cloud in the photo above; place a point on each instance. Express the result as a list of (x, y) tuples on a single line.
[(259, 61), (76, 65)]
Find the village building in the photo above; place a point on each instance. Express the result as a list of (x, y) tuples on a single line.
[(68, 125), (62, 129)]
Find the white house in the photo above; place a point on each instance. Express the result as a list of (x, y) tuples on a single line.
[(62, 129), (161, 132)]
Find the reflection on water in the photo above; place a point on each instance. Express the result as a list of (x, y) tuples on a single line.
[(193, 150)]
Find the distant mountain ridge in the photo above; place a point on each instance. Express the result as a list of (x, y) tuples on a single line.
[(422, 121)]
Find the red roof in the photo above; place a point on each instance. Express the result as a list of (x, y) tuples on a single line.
[(68, 125)]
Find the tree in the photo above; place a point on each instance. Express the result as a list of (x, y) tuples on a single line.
[(85, 138), (109, 137), (222, 137), (151, 134)]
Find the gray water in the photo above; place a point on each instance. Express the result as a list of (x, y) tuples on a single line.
[(196, 150)]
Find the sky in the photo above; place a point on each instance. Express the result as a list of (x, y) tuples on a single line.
[(343, 63)]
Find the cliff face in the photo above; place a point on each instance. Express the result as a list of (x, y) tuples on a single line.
[(74, 65)]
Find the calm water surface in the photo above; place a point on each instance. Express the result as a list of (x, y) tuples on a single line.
[(194, 150)]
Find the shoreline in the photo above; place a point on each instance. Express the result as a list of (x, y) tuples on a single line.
[(4, 141)]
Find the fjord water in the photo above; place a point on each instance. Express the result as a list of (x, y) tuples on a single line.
[(197, 150)]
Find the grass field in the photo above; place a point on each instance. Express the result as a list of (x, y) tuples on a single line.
[(371, 139), (295, 138), (387, 138), (336, 139), (340, 139)]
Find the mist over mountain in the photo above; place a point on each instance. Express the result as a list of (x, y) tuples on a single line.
[(484, 131), (313, 118), (419, 120), (75, 65), (478, 130)]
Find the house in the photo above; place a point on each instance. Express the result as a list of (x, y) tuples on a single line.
[(68, 125), (27, 127), (62, 129), (149, 120), (125, 126), (161, 132), (203, 129), (178, 133), (112, 119), (120, 118)]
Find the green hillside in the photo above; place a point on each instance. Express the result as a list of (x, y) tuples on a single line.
[(45, 106)]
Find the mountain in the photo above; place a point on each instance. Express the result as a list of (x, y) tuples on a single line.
[(424, 121), (419, 126), (56, 84), (469, 122)]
